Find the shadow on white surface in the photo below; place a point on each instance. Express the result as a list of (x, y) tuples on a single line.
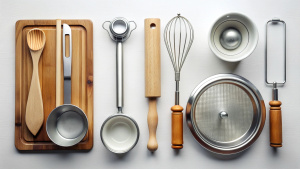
[(220, 157), (117, 158), (230, 66), (275, 152)]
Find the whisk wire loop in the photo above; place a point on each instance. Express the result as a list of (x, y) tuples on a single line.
[(178, 37)]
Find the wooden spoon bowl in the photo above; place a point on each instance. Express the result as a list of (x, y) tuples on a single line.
[(36, 39)]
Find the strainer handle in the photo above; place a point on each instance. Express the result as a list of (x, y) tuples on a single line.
[(177, 127), (275, 124)]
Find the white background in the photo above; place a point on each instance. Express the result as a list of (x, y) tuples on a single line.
[(200, 64)]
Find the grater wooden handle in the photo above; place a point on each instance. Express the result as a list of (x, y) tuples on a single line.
[(177, 127), (275, 124)]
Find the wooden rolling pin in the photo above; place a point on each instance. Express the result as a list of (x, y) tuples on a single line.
[(152, 76), (275, 120)]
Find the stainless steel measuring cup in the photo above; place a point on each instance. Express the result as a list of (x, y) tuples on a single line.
[(119, 133), (67, 124)]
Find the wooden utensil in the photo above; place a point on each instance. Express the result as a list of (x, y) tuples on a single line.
[(275, 124), (59, 70), (152, 76), (34, 116), (82, 78)]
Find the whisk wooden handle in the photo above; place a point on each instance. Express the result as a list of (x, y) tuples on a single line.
[(275, 124), (177, 127)]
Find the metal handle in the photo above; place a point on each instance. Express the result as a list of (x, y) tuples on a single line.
[(119, 37), (275, 92), (67, 64), (119, 76), (275, 21)]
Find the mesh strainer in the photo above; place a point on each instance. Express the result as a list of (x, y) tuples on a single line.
[(225, 113)]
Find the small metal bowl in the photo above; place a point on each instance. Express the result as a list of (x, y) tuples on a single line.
[(66, 125), (119, 27), (119, 133)]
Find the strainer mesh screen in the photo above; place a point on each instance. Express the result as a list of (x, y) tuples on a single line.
[(231, 99)]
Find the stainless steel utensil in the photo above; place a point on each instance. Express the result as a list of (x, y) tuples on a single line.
[(67, 124), (178, 36), (225, 113), (119, 132), (275, 74)]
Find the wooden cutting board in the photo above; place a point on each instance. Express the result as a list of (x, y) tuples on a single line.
[(82, 80)]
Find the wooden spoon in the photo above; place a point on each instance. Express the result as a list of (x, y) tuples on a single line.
[(34, 116)]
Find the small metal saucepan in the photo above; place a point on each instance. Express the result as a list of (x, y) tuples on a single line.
[(67, 124)]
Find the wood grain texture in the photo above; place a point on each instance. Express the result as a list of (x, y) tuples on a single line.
[(152, 120), (152, 58), (275, 124), (34, 115), (59, 61), (177, 127), (152, 76), (82, 80)]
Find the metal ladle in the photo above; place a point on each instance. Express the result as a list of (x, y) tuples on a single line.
[(119, 132), (67, 124)]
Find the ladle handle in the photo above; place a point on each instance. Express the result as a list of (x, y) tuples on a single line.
[(177, 127), (152, 124), (275, 124), (119, 76), (67, 59)]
